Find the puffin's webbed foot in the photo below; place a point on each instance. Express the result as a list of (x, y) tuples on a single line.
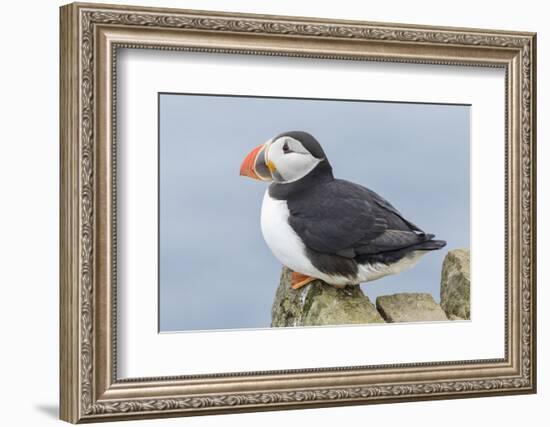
[(298, 280)]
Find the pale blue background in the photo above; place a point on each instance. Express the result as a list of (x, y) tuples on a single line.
[(216, 271)]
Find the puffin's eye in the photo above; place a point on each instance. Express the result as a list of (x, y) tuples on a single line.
[(286, 148)]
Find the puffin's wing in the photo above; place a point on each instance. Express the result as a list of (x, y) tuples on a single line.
[(384, 204), (347, 219)]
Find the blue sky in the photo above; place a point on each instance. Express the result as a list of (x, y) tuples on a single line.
[(216, 271)]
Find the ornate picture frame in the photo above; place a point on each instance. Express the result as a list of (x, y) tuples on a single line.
[(90, 37)]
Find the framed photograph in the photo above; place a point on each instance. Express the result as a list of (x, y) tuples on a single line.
[(268, 212)]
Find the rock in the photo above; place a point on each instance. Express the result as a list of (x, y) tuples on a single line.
[(320, 304), (287, 305), (455, 284), (409, 307), (327, 305)]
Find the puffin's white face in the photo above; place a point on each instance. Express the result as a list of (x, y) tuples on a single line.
[(288, 160), (283, 159)]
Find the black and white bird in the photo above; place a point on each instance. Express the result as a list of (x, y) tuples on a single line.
[(327, 228)]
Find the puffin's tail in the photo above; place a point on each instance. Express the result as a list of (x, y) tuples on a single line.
[(430, 245)]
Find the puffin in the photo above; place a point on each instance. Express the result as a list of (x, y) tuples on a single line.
[(325, 228)]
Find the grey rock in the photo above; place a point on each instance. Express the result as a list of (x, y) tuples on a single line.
[(455, 284), (409, 307), (327, 305), (320, 304), (287, 305)]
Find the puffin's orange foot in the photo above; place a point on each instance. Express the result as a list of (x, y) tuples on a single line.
[(299, 280)]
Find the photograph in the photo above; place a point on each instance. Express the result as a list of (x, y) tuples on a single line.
[(289, 212)]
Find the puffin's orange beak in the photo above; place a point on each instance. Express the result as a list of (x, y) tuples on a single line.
[(254, 165)]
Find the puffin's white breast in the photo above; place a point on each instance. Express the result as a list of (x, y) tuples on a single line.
[(283, 241)]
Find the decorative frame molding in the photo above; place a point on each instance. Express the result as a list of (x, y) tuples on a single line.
[(90, 36)]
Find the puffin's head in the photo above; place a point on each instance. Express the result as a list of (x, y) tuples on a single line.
[(285, 158)]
